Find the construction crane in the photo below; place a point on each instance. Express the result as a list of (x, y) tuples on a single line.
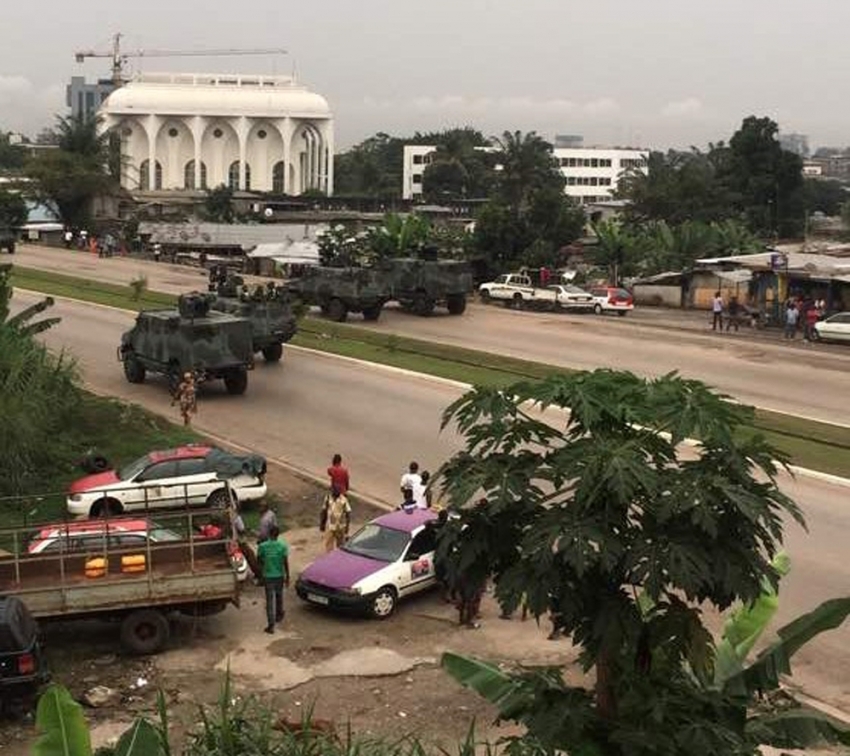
[(120, 57)]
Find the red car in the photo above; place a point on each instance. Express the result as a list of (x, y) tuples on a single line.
[(612, 299)]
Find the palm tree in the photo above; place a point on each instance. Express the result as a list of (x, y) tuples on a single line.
[(527, 164)]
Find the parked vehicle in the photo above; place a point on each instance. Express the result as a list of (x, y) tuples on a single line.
[(95, 535), (8, 238), (516, 290), (137, 585), (191, 338), (612, 299), (23, 669), (834, 328), (569, 297), (192, 475), (339, 291), (421, 285), (388, 559), (268, 309)]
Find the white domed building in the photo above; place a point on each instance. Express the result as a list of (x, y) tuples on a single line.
[(198, 131)]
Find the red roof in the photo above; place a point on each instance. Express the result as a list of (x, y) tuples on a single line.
[(190, 451)]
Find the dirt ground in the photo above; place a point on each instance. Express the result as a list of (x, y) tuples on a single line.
[(382, 677)]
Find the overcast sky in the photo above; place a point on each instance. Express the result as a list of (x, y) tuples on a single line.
[(653, 73)]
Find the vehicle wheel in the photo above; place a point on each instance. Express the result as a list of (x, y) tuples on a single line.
[(273, 353), (134, 371), (815, 335), (218, 499), (324, 307), (518, 301), (102, 507), (145, 631), (372, 313), (337, 311), (485, 296), (456, 304), (597, 308), (174, 378), (383, 604), (423, 305), (236, 381)]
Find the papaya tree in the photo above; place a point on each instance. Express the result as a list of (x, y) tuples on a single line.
[(589, 512)]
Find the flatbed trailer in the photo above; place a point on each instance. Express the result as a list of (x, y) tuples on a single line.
[(138, 585)]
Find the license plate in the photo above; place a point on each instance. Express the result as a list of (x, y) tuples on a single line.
[(316, 599)]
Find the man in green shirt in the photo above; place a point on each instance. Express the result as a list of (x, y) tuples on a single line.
[(273, 556)]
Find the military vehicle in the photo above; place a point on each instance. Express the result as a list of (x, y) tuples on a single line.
[(7, 239), (338, 291), (420, 284), (192, 338), (268, 309)]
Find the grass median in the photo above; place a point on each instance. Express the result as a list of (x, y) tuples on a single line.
[(818, 446)]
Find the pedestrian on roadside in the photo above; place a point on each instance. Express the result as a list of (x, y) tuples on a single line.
[(336, 518), (273, 556), (470, 591), (338, 473), (421, 492), (411, 478), (717, 312), (792, 315), (68, 238), (186, 397), (811, 317), (733, 311), (268, 520)]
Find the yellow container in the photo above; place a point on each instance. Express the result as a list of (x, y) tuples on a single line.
[(133, 563), (95, 567)]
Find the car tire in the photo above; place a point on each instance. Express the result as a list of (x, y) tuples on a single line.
[(371, 314), (384, 602), (485, 296), (144, 632), (218, 499), (597, 309), (106, 506), (236, 382), (337, 310), (456, 304), (134, 371), (518, 301), (273, 353)]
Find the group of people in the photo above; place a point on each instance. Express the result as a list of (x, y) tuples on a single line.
[(734, 312), (102, 246), (802, 313)]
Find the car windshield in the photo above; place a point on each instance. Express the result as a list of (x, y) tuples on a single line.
[(128, 472), (575, 290), (377, 542)]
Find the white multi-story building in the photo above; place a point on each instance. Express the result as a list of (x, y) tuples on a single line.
[(592, 173)]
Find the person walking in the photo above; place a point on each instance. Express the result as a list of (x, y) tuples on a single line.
[(336, 519), (792, 315), (186, 397), (338, 473), (734, 314), (273, 556), (717, 312)]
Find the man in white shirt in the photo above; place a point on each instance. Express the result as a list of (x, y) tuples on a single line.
[(411, 479)]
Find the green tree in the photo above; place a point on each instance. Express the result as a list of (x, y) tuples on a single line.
[(372, 168), (69, 178), (12, 156), (590, 514), (218, 205), (823, 195), (398, 236), (459, 167), (13, 209), (527, 166)]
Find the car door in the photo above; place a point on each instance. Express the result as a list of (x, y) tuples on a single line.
[(419, 573), (840, 327), (158, 486), (197, 480)]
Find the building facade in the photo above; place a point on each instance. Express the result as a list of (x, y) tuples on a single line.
[(84, 99), (592, 174), (199, 131)]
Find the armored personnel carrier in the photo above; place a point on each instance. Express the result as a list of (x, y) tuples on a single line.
[(421, 284), (338, 291), (193, 337), (268, 309)]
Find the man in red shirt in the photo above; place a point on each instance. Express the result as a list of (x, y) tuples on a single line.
[(338, 474)]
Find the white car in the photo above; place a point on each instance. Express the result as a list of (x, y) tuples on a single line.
[(568, 297), (387, 559), (612, 299), (190, 475), (834, 328)]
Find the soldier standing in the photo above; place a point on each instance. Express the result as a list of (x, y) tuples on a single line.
[(187, 398)]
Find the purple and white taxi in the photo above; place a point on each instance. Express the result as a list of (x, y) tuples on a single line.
[(389, 558)]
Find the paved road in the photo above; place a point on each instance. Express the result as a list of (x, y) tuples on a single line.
[(312, 405), (810, 381)]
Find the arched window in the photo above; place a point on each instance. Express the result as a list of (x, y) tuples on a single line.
[(233, 176), (144, 175), (277, 177), (189, 175)]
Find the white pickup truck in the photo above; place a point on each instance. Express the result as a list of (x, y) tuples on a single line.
[(518, 290)]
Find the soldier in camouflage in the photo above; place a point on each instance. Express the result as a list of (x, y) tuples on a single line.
[(187, 397)]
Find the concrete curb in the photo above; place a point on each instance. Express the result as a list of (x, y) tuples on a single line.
[(800, 471)]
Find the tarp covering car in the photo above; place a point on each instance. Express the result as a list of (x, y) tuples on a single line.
[(229, 465)]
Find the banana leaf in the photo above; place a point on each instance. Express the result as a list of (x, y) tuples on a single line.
[(59, 719), (142, 739), (798, 728), (510, 695)]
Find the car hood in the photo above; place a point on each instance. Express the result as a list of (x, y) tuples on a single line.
[(341, 569), (94, 482)]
